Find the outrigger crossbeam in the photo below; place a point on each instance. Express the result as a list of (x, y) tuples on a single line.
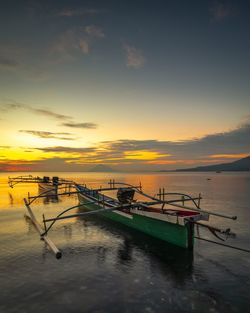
[(58, 194)]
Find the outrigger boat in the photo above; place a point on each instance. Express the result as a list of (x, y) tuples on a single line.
[(23, 179), (43, 182), (49, 184), (165, 216), (152, 217)]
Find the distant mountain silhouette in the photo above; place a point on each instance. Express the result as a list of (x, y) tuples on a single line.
[(101, 168), (239, 165)]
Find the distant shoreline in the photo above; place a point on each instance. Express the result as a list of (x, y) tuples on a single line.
[(129, 172)]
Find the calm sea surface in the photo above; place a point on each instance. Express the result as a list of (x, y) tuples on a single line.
[(109, 268)]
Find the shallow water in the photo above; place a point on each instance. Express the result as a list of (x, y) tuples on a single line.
[(107, 267)]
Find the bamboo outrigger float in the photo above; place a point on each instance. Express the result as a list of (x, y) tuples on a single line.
[(165, 216)]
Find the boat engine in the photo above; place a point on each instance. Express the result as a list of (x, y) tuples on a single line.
[(125, 195)]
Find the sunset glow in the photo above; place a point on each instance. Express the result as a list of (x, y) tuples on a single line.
[(132, 93)]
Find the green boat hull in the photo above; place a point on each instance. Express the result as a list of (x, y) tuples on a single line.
[(179, 235)]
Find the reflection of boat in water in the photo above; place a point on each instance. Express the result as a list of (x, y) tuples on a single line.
[(172, 260), (49, 185), (50, 195)]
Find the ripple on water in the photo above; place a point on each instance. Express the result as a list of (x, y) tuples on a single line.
[(108, 268)]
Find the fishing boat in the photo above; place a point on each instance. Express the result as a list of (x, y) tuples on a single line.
[(12, 181), (168, 216), (45, 183), (175, 226), (50, 185)]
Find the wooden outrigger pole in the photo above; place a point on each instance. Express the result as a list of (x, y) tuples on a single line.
[(40, 231)]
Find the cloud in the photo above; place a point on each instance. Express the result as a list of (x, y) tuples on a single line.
[(48, 135), (129, 154), (220, 11), (78, 12), (66, 119), (16, 58), (84, 46), (61, 149), (52, 164), (50, 113), (86, 155), (206, 150), (233, 141), (135, 58), (74, 41), (11, 56), (94, 31), (8, 63), (4, 147), (68, 44), (80, 125), (13, 105), (246, 119), (9, 165)]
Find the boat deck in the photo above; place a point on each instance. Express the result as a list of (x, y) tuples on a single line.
[(157, 212)]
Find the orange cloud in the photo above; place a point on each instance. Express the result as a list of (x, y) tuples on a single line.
[(230, 156), (144, 155)]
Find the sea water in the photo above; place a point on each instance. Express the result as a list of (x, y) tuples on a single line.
[(107, 267)]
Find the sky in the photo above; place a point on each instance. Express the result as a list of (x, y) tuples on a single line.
[(134, 85)]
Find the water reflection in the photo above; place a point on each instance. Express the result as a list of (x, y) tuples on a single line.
[(124, 251), (29, 225), (67, 231), (107, 267), (11, 199), (48, 196), (171, 260)]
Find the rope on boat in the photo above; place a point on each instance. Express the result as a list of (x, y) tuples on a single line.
[(226, 232), (222, 244)]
